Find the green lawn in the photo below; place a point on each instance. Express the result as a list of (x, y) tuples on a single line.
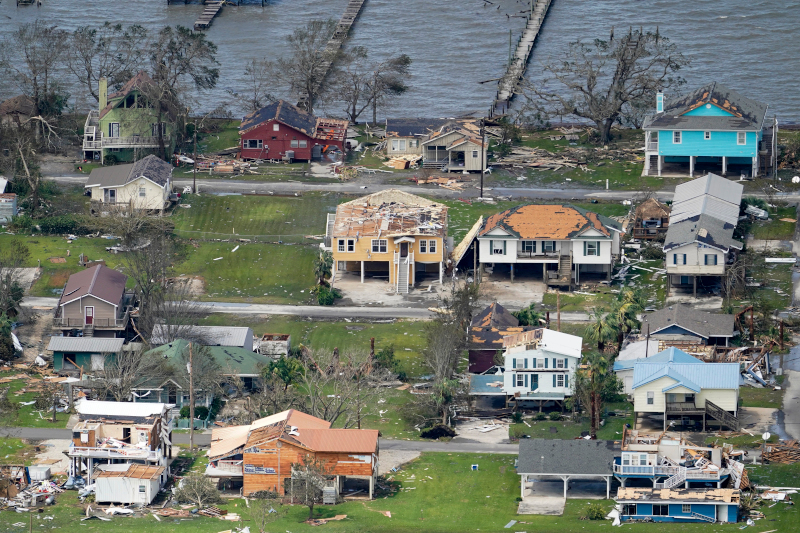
[(407, 336), (567, 429), (15, 451), (578, 302), (775, 229), (27, 415), (224, 134), (775, 475), (270, 217), (766, 397)]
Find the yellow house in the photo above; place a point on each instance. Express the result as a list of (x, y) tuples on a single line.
[(143, 185), (390, 234)]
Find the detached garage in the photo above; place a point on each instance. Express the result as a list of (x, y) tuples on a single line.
[(137, 484)]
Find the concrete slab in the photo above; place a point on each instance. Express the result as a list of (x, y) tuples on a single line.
[(701, 302), (378, 292), (54, 451), (542, 505), (474, 431), (768, 245)]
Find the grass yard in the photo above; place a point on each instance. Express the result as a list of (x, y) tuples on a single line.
[(407, 336), (257, 273), (225, 135), (775, 228), (273, 217), (567, 429), (578, 302), (27, 415), (741, 441), (15, 451), (766, 397), (775, 475)]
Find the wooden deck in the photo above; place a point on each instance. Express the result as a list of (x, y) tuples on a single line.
[(212, 9), (335, 43), (508, 84)]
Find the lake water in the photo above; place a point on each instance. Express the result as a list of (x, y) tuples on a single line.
[(454, 44)]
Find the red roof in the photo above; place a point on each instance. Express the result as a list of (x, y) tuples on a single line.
[(360, 441)]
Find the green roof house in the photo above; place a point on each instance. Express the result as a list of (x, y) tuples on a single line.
[(126, 125)]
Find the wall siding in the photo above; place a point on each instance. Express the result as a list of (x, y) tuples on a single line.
[(695, 260), (721, 143)]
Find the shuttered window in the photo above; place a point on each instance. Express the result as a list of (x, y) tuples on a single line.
[(526, 362), (554, 380), (566, 380), (526, 380)]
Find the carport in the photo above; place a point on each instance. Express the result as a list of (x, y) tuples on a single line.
[(567, 460)]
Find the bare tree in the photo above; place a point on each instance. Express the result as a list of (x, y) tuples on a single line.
[(634, 112), (308, 479), (259, 79), (113, 51), (265, 508), (122, 373), (304, 70), (594, 81), (198, 489)]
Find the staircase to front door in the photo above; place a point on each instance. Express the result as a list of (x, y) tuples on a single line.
[(653, 166), (402, 276)]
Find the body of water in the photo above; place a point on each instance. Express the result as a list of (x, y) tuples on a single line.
[(455, 44)]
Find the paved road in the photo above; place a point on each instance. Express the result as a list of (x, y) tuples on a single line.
[(309, 310), (200, 439)]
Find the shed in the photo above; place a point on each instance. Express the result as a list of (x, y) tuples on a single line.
[(567, 459), (8, 205), (86, 353), (136, 484)]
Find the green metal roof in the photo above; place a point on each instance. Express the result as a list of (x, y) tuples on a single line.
[(243, 362)]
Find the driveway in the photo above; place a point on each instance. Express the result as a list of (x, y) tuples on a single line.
[(546, 496)]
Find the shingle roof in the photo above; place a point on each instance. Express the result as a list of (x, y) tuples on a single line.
[(538, 221), (151, 167), (699, 322), (694, 376), (85, 344), (745, 113), (495, 316), (704, 229), (285, 113), (239, 361), (548, 456), (18, 105), (99, 281), (408, 127)]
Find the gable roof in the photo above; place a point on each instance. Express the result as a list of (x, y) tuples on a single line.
[(495, 316), (151, 167), (652, 208), (549, 456), (137, 82), (710, 185), (85, 344), (703, 229), (692, 375), (701, 323), (240, 361), (409, 127), (339, 440), (390, 213), (207, 335), (292, 116), (670, 355), (18, 105), (745, 113), (547, 221), (99, 281)]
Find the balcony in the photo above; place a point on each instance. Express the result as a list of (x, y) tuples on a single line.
[(668, 471), (135, 141), (684, 407), (97, 322), (225, 468), (127, 452), (651, 146)]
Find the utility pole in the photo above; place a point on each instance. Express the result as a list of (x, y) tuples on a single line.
[(191, 401), (194, 169), (483, 152), (558, 310)]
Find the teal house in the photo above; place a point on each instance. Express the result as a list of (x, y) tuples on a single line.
[(720, 506), (713, 129), (127, 125), (83, 354)]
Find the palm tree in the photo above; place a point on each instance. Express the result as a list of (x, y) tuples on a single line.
[(323, 266), (597, 366), (528, 316), (624, 319), (600, 330)]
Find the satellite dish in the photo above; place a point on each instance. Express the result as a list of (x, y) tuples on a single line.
[(766, 436)]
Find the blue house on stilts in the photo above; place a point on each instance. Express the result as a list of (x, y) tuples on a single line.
[(713, 129)]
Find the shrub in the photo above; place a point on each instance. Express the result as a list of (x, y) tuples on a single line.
[(556, 416), (201, 412), (61, 225), (326, 295), (540, 416), (185, 411), (516, 416), (516, 433), (437, 432), (595, 511), (653, 253)]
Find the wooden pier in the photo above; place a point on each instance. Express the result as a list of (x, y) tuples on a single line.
[(213, 7), (515, 72), (335, 43)]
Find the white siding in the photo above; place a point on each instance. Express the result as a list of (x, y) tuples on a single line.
[(695, 260), (155, 196), (578, 257), (640, 396), (545, 374), (724, 398)]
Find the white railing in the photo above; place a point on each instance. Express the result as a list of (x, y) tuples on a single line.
[(116, 453), (646, 470), (651, 146), (396, 258), (234, 467)]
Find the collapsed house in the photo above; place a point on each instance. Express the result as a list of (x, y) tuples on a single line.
[(650, 220), (390, 235), (113, 433), (260, 456)]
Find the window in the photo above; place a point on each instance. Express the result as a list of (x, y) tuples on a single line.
[(549, 246), (423, 247), (113, 129), (160, 128), (412, 143), (684, 259), (431, 247), (398, 145), (497, 247), (529, 246), (519, 363), (541, 362), (711, 259), (707, 135), (520, 380), (560, 380), (379, 246), (650, 397), (351, 245), (293, 143), (475, 153), (303, 144), (142, 192), (342, 245), (629, 509), (676, 137), (660, 510), (591, 247), (275, 127), (254, 143), (686, 508), (674, 259), (561, 363), (741, 137), (142, 489)]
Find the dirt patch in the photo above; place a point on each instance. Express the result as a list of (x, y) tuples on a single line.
[(26, 276), (197, 284), (486, 431), (32, 336), (58, 260)]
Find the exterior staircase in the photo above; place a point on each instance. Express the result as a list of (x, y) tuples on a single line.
[(565, 266), (653, 171), (88, 330), (709, 519), (722, 416), (402, 275), (673, 481)]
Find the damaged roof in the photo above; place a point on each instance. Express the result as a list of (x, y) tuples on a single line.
[(362, 441), (390, 213), (411, 127), (637, 494), (652, 208), (135, 83), (151, 167), (232, 360), (495, 316), (703, 229), (548, 222), (745, 114), (701, 323), (298, 119)]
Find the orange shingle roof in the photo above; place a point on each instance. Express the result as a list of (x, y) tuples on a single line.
[(535, 221)]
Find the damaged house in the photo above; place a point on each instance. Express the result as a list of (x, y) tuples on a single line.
[(651, 220), (390, 235), (699, 243), (404, 136), (560, 244), (260, 456), (678, 505), (486, 336)]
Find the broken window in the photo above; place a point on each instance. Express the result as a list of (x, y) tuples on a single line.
[(379, 246), (254, 143), (423, 247), (497, 247), (629, 509)]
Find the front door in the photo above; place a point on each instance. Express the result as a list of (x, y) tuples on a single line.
[(126, 435), (89, 314), (113, 129), (112, 196), (403, 249)]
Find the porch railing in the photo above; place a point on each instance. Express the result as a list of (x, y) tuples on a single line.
[(97, 322), (651, 146), (130, 452)]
